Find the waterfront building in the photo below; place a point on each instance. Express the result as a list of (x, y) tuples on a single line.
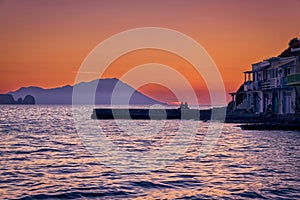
[(273, 85)]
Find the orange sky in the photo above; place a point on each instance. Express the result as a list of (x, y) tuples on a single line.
[(44, 42)]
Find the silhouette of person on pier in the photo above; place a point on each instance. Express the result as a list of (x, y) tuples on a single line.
[(184, 105)]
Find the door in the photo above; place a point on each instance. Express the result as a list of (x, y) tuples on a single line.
[(275, 103)]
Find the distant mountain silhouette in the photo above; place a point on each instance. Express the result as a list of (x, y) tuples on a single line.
[(105, 88)]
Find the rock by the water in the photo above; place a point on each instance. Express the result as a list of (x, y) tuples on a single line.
[(20, 101), (29, 100), (9, 99), (6, 99)]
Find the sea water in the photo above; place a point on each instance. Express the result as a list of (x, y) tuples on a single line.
[(43, 156)]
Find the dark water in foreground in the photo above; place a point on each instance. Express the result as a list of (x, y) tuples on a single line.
[(42, 156)]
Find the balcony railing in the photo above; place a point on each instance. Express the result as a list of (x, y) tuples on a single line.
[(273, 83), (277, 82), (265, 85), (293, 79)]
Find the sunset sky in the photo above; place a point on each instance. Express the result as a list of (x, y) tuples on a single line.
[(44, 42)]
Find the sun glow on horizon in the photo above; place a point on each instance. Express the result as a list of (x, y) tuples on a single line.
[(41, 49)]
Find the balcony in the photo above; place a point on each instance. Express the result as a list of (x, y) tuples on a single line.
[(273, 83), (277, 82), (293, 79), (248, 86), (257, 85)]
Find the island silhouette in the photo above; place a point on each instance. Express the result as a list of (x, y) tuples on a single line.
[(103, 95)]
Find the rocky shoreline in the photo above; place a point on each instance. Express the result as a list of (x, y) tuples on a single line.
[(241, 117)]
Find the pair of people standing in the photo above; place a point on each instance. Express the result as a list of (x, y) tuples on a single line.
[(184, 105)]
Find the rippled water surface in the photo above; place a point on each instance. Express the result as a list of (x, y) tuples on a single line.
[(42, 156)]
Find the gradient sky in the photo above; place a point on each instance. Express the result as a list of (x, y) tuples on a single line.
[(43, 43)]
